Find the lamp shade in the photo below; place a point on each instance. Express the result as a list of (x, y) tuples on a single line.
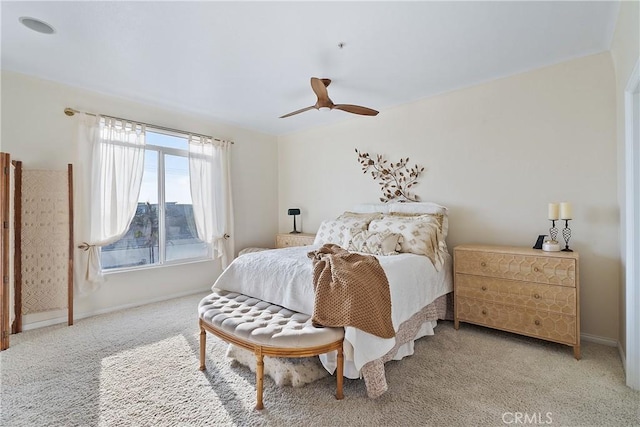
[(294, 211)]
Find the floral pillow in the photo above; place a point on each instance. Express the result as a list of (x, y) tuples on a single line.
[(369, 242), (442, 220), (336, 230), (420, 235), (423, 208)]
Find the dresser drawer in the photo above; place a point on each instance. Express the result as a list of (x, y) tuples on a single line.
[(529, 268), (558, 299), (536, 323)]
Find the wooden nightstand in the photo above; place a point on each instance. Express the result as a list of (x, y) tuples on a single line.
[(285, 240), (521, 290)]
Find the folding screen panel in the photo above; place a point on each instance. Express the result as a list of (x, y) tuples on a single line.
[(5, 252), (16, 246), (12, 247), (46, 231)]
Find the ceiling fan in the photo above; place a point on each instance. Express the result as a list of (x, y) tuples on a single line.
[(319, 86)]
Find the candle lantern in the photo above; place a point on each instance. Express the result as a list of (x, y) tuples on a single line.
[(554, 215), (566, 214)]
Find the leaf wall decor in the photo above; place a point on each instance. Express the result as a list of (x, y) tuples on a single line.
[(395, 179)]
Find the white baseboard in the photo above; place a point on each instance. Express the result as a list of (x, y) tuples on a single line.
[(63, 319), (608, 342), (622, 357), (599, 340)]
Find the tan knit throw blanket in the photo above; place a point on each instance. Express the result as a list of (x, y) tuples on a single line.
[(351, 290)]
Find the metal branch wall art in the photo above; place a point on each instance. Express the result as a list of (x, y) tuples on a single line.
[(395, 179)]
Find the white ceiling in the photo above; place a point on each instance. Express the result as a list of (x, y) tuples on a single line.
[(247, 63)]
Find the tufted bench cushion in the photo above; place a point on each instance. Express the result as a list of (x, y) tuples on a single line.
[(263, 323), (267, 330)]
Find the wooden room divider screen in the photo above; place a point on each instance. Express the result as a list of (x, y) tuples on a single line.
[(42, 249)]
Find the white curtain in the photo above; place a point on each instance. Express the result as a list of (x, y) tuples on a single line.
[(210, 179), (110, 160)]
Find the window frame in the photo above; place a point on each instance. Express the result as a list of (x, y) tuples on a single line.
[(161, 152)]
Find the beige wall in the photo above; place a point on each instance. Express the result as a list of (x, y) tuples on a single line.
[(36, 131), (625, 51), (495, 154)]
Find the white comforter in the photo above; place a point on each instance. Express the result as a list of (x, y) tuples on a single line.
[(285, 277)]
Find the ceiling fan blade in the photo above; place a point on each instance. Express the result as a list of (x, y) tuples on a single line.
[(356, 109), (319, 86), (298, 111)]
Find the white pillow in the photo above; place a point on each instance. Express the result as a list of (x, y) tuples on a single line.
[(336, 230), (418, 208), (372, 208), (369, 242)]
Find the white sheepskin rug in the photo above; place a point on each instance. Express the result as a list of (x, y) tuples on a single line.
[(284, 371)]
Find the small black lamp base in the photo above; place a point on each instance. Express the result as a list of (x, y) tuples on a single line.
[(294, 226)]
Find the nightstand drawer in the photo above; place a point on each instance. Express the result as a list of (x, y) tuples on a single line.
[(289, 240), (536, 323), (529, 268), (557, 299)]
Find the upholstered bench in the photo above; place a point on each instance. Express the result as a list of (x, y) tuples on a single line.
[(266, 330)]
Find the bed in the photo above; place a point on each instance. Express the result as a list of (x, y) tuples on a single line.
[(409, 243)]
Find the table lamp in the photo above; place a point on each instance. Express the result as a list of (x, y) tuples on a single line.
[(294, 212)]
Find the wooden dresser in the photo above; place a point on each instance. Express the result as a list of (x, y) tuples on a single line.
[(285, 240), (521, 290)]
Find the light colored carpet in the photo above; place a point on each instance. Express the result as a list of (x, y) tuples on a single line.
[(283, 371), (139, 367)]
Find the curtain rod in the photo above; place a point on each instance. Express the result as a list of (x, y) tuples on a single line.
[(71, 112)]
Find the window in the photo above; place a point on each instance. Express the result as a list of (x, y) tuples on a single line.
[(163, 229)]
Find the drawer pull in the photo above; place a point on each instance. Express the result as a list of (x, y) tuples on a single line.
[(484, 288), (484, 312), (483, 264), (536, 296), (537, 322), (536, 269)]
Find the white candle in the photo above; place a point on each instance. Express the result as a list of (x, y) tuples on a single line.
[(565, 210), (554, 211)]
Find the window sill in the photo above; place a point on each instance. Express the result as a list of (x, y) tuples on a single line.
[(154, 266)]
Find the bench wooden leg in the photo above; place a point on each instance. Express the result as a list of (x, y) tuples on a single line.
[(203, 347), (271, 351), (340, 374), (259, 378)]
